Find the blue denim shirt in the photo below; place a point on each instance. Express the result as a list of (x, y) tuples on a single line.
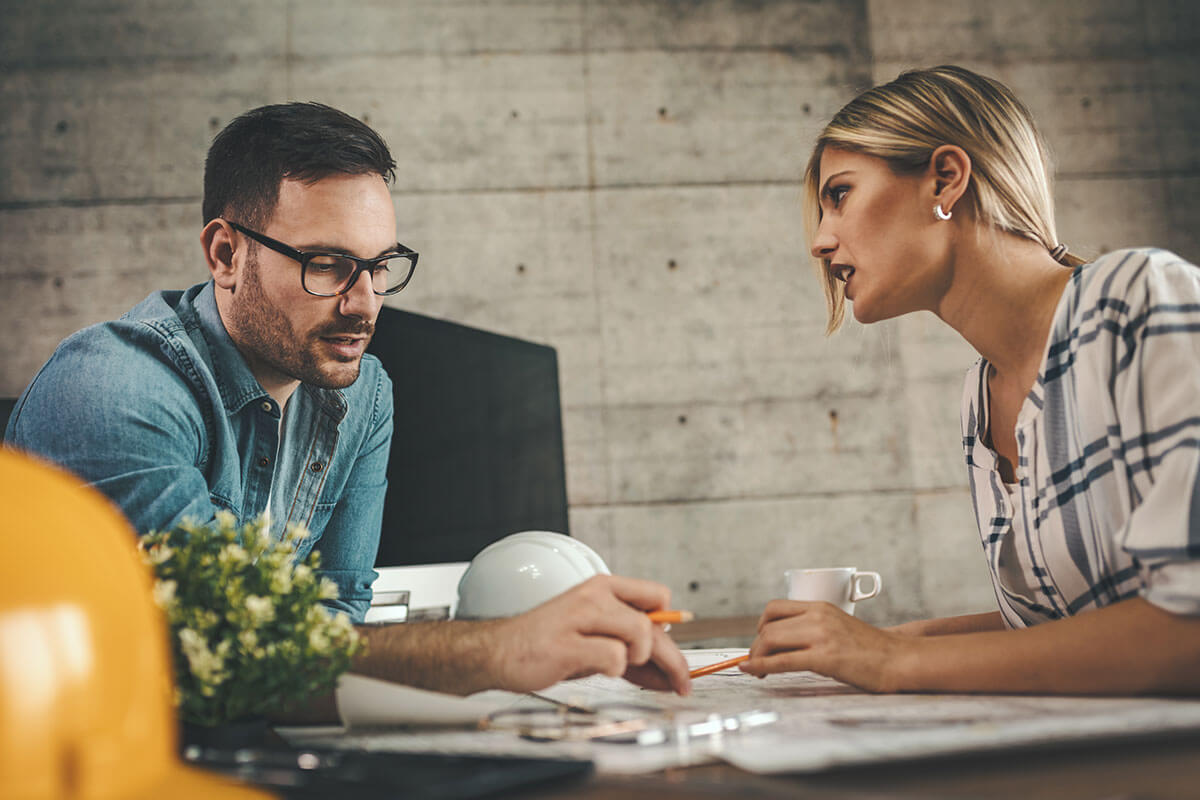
[(160, 412)]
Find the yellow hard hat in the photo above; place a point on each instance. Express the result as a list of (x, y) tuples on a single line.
[(85, 673)]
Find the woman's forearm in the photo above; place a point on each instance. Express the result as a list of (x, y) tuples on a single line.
[(1130, 647), (965, 623)]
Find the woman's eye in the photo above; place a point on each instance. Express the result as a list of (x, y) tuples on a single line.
[(836, 193)]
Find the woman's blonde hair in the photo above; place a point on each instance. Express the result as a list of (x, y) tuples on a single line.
[(904, 121)]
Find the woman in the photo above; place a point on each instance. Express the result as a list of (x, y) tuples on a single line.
[(1081, 420)]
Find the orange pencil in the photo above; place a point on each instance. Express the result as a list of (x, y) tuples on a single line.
[(717, 667), (667, 616)]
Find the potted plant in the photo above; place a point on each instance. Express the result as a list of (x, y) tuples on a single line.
[(249, 634)]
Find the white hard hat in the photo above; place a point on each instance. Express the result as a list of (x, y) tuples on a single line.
[(518, 572)]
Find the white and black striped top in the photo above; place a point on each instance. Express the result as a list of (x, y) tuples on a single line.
[(1109, 448)]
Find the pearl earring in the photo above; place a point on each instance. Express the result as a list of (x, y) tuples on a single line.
[(943, 215)]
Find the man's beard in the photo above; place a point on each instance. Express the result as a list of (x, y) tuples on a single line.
[(269, 338)]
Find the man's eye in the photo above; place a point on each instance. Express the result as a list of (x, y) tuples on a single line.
[(325, 264)]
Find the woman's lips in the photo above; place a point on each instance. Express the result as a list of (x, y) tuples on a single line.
[(844, 272)]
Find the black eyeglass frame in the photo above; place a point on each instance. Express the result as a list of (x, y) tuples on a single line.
[(360, 264)]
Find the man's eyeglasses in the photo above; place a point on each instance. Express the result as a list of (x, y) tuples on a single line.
[(331, 274)]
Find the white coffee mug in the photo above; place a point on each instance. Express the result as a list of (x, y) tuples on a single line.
[(841, 586)]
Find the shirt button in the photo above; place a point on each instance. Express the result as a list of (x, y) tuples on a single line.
[(317, 466), (262, 462), (266, 406)]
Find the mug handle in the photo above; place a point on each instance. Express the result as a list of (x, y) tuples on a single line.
[(858, 593)]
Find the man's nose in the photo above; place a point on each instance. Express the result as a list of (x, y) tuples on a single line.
[(360, 299)]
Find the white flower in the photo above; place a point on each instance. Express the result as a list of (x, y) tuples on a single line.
[(302, 572), (232, 555), (328, 590), (190, 639), (318, 640), (342, 625), (206, 665), (226, 519), (295, 533), (164, 593), (281, 579), (159, 554), (249, 641), (261, 609)]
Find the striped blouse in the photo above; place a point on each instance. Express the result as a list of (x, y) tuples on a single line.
[(1108, 445)]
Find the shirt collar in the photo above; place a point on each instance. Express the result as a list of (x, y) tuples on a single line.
[(235, 381)]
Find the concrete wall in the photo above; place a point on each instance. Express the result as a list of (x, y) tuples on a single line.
[(619, 180)]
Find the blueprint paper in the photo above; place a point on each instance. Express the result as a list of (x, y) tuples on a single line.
[(823, 723)]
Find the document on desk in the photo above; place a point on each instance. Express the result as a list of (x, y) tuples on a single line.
[(382, 716), (825, 723), (828, 731), (370, 703), (822, 723)]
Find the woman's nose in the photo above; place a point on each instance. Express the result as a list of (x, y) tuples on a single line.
[(824, 245)]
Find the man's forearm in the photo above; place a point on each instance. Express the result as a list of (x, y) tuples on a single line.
[(600, 625), (1131, 647), (457, 657)]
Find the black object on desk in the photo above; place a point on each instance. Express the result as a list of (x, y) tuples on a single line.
[(477, 445), (305, 774)]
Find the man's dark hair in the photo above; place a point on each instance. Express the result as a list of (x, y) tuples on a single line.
[(303, 141)]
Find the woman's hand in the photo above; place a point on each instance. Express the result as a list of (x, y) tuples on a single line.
[(1131, 647), (820, 637)]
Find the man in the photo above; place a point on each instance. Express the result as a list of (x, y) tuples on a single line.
[(252, 393)]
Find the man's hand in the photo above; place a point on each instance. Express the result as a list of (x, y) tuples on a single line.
[(821, 637), (598, 626)]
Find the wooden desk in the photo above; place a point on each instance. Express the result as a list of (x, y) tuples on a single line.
[(1139, 769), (718, 632)]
